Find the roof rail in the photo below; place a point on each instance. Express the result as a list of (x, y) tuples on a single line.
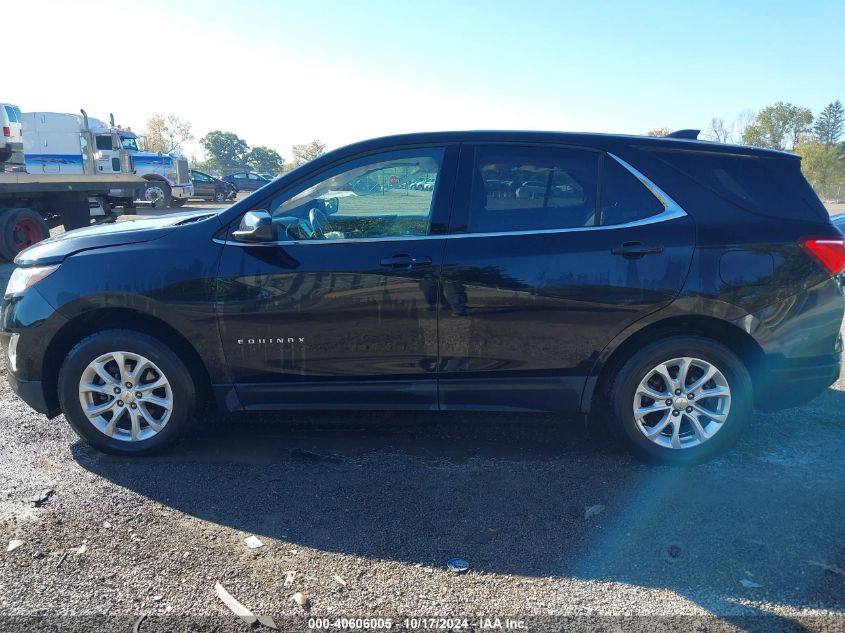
[(688, 134)]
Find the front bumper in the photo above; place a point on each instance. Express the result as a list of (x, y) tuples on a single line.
[(182, 191), (30, 391), (28, 323)]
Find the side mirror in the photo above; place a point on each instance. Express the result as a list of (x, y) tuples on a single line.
[(256, 226)]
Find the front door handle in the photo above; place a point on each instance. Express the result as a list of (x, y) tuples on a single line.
[(405, 261), (635, 250)]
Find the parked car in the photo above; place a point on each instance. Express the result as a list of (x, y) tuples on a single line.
[(11, 137), (247, 180), (676, 286), (211, 188)]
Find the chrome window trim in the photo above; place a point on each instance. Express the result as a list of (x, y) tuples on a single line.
[(672, 211), (665, 199)]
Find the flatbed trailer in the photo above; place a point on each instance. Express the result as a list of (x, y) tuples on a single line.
[(30, 203)]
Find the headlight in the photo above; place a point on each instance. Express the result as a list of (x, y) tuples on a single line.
[(23, 278)]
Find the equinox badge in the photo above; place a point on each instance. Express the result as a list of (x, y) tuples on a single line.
[(270, 341)]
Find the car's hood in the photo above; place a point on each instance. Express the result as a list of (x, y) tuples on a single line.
[(126, 231)]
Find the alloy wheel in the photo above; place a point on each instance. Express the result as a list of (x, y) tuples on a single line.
[(682, 403), (125, 396)]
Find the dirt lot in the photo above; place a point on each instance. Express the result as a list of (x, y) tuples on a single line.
[(361, 514)]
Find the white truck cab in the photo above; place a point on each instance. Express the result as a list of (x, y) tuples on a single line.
[(169, 175), (58, 143)]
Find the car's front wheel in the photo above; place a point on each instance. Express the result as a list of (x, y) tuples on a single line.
[(681, 400), (220, 196), (126, 392)]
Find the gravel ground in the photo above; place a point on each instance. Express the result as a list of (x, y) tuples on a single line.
[(360, 513), (367, 511)]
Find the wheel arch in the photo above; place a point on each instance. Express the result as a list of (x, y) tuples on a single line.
[(123, 319), (719, 330), (158, 177)]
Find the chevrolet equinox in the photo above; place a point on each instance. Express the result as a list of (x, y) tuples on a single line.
[(665, 285)]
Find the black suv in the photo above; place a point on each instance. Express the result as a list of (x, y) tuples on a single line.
[(665, 285)]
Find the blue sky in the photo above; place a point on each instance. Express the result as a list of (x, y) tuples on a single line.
[(279, 73)]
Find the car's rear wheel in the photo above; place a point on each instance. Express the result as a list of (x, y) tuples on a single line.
[(681, 400), (125, 392)]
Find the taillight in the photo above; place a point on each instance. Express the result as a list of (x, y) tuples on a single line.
[(829, 251), (7, 131)]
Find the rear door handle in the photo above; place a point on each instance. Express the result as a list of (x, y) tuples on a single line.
[(635, 250), (405, 261)]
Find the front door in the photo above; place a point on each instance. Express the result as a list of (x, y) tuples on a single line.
[(544, 267), (340, 310)]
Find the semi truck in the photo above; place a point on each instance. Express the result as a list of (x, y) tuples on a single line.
[(47, 135), (65, 178), (168, 174)]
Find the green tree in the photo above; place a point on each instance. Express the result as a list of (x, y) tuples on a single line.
[(167, 134), (822, 164), (781, 126), (227, 148), (207, 166), (264, 159), (307, 151), (829, 125)]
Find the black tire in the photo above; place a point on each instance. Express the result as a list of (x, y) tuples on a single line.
[(626, 383), (220, 196), (176, 203), (108, 341), (162, 201), (20, 228)]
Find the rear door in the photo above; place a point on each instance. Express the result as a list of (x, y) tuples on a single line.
[(553, 251)]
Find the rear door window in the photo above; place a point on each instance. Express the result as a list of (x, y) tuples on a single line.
[(522, 188)]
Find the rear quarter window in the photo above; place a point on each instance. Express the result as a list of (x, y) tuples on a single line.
[(773, 187), (624, 198)]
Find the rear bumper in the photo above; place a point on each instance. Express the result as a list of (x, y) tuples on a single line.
[(790, 386)]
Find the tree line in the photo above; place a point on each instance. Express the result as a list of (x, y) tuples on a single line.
[(818, 139), (225, 151)]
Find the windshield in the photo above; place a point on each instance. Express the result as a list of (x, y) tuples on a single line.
[(129, 143)]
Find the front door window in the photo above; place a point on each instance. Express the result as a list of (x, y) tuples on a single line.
[(369, 198)]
